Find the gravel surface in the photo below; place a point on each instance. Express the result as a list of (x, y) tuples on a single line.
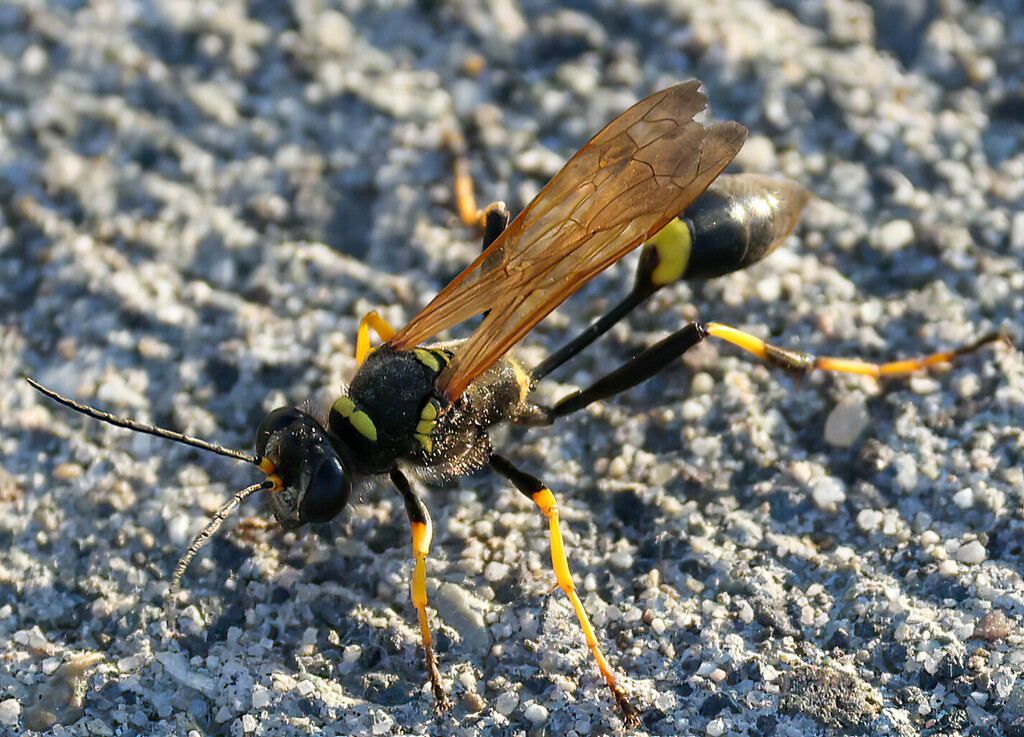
[(199, 200)]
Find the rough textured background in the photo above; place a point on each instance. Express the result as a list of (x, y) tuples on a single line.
[(199, 200)]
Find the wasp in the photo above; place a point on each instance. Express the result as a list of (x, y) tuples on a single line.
[(416, 409)]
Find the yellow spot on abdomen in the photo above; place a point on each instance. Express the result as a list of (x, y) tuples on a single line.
[(673, 244)]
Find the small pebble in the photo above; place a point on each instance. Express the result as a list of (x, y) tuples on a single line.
[(261, 697), (67, 471), (10, 711), (964, 499), (473, 702), (845, 423), (382, 722), (702, 383), (895, 234), (495, 571), (869, 519), (506, 702), (827, 493), (970, 553), (536, 714), (995, 625)]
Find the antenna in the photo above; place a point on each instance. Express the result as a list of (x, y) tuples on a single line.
[(215, 522), (142, 427), (200, 540)]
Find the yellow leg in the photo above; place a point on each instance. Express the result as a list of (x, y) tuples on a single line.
[(422, 534), (491, 220), (380, 326), (549, 507), (465, 199), (543, 498), (803, 362)]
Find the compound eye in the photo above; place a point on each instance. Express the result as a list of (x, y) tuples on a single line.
[(327, 492), (277, 421)]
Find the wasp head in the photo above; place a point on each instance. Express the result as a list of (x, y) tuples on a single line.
[(311, 482)]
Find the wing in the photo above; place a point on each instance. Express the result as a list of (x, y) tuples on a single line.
[(638, 173)]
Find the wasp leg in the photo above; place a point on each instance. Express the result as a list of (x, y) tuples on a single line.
[(588, 336), (654, 359), (797, 362), (639, 369), (532, 487), (495, 217), (422, 532), (379, 325)]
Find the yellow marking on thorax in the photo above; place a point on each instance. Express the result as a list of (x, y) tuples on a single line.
[(427, 358), (359, 420), (523, 379), (673, 244), (424, 428)]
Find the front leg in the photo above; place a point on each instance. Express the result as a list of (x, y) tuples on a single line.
[(422, 533)]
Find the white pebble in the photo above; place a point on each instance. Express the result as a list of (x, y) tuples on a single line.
[(10, 710), (972, 552), (895, 234), (845, 423), (716, 727), (495, 571), (869, 519), (964, 499), (618, 467), (706, 668), (828, 494), (261, 697), (621, 559), (33, 60), (506, 702), (769, 289), (746, 613), (702, 383), (536, 714)]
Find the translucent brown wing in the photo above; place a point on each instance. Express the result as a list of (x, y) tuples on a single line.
[(638, 173)]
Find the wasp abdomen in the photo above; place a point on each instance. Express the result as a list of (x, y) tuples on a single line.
[(736, 222)]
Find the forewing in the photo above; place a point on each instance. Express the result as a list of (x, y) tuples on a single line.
[(638, 173)]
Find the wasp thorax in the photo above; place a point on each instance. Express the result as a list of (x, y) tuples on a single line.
[(314, 483)]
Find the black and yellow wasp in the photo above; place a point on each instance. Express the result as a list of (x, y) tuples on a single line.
[(415, 410)]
